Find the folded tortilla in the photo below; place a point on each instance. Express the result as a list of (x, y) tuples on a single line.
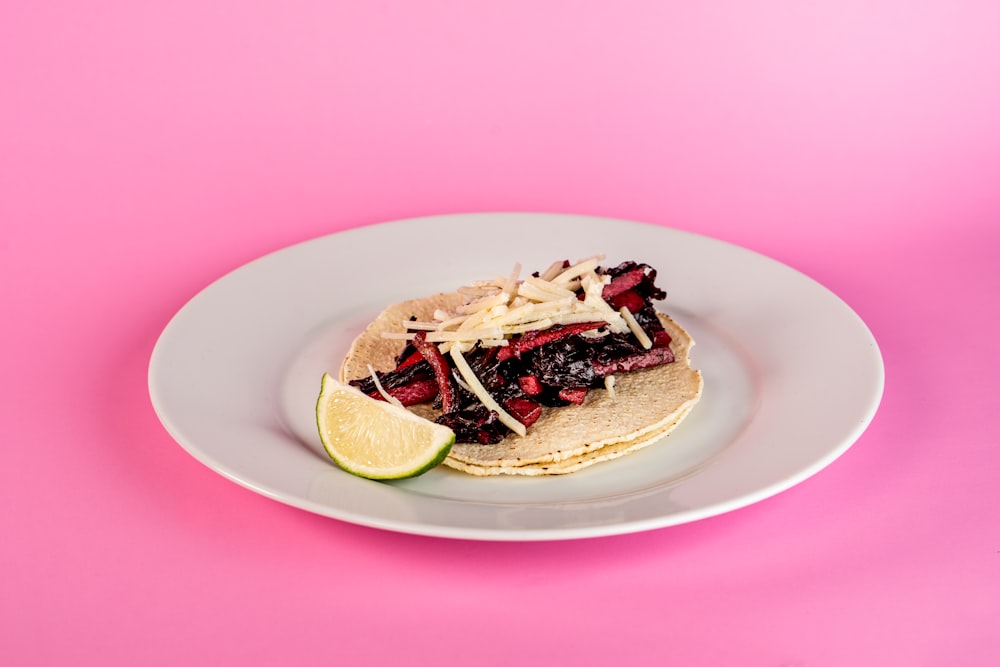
[(647, 404)]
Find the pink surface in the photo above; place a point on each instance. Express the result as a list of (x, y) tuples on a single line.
[(148, 147)]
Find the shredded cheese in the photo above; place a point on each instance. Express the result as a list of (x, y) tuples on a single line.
[(413, 325), (378, 385), (545, 287), (518, 314), (529, 326), (510, 286), (555, 268), (505, 306), (637, 330), (464, 336), (578, 269), (484, 303)]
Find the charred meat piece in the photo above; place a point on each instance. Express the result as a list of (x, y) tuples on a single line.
[(646, 359), (644, 285), (530, 384), (524, 410), (475, 423), (399, 377), (565, 362), (573, 394)]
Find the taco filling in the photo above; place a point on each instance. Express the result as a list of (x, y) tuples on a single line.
[(540, 375)]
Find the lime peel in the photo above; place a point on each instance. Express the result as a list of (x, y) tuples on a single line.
[(376, 439)]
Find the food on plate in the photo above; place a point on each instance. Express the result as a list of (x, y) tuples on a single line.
[(536, 375), (376, 439)]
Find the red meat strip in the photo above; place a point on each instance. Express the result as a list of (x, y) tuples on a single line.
[(418, 391), (623, 282), (653, 357), (412, 359), (539, 337), (573, 394), (630, 299), (442, 373)]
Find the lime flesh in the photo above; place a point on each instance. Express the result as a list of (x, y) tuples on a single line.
[(376, 439)]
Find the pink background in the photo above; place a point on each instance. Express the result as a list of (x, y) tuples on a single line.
[(146, 148)]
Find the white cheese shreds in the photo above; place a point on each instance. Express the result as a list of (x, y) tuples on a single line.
[(609, 384), (555, 306), (636, 328), (578, 269), (506, 306), (530, 326), (510, 286), (484, 397), (485, 303), (413, 325), (474, 321), (378, 385), (555, 268), (545, 287), (518, 314), (531, 292), (469, 335), (441, 315)]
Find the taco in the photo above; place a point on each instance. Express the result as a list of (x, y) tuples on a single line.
[(541, 376)]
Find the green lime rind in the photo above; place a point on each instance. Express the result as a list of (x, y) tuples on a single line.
[(433, 463)]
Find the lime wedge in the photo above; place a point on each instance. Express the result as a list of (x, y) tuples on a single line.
[(376, 439)]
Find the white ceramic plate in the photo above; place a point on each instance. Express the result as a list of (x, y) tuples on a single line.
[(792, 376)]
